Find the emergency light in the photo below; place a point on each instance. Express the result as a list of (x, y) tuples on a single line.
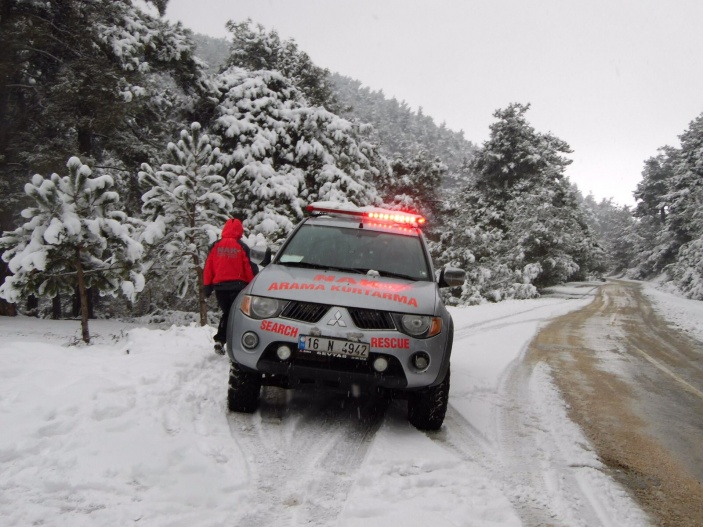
[(373, 213)]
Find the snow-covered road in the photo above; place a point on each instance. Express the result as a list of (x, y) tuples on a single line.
[(134, 430)]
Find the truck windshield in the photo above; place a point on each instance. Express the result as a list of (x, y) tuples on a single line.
[(357, 250)]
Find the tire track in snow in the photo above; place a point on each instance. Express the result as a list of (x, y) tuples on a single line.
[(306, 449), (466, 442), (542, 482), (525, 459), (504, 321), (335, 470)]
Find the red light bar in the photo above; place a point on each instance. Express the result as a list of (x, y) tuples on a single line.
[(397, 217), (373, 213)]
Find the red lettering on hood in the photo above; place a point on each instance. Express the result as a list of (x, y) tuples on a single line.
[(345, 285), (281, 286), (370, 284)]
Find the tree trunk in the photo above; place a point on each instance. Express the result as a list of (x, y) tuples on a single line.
[(32, 306), (83, 295), (56, 312), (92, 300), (85, 141), (76, 304), (6, 309), (202, 301)]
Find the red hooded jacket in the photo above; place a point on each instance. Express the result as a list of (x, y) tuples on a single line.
[(227, 261)]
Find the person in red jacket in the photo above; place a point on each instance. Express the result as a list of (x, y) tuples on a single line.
[(228, 270)]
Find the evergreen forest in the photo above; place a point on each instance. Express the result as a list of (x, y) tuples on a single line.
[(126, 141)]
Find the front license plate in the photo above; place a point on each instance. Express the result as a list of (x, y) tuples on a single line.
[(325, 346)]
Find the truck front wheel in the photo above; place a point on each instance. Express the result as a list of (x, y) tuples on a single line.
[(244, 389), (427, 408)]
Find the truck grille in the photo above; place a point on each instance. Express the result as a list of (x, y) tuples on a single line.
[(305, 311), (371, 319)]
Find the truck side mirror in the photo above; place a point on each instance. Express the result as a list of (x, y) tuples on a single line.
[(452, 277), (261, 255)]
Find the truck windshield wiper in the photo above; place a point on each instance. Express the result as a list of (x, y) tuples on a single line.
[(398, 275), (310, 265)]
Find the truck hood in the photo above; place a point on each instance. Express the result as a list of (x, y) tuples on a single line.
[(345, 289)]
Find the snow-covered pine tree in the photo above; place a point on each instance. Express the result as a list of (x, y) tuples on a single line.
[(401, 132), (417, 184), (281, 153), (187, 202), (613, 226), (75, 238), (669, 227), (684, 222), (519, 224), (103, 78), (687, 271), (479, 240), (548, 228), (254, 48), (654, 245)]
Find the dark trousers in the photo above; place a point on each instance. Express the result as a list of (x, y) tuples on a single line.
[(225, 299)]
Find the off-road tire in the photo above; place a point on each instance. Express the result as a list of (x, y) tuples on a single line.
[(244, 389), (427, 408)]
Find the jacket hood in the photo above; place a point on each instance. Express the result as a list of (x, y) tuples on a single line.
[(233, 229)]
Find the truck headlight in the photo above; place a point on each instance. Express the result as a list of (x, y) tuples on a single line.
[(419, 326), (415, 325), (261, 306)]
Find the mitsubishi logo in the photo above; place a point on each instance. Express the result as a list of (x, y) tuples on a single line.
[(337, 320)]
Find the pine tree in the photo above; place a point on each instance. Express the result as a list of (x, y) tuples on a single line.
[(684, 222), (614, 227), (187, 202), (416, 185), (651, 191), (101, 78), (254, 48), (655, 247), (685, 197), (519, 224), (516, 152), (668, 232), (75, 238), (282, 154), (401, 132)]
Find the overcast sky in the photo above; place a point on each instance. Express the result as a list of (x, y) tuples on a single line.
[(616, 79)]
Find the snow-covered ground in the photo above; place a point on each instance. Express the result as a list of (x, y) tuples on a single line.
[(134, 430), (680, 312)]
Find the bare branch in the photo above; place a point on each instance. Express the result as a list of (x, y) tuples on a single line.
[(42, 52), (78, 53), (57, 28), (86, 272)]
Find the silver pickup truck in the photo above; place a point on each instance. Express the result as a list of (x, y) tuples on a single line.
[(349, 303)]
